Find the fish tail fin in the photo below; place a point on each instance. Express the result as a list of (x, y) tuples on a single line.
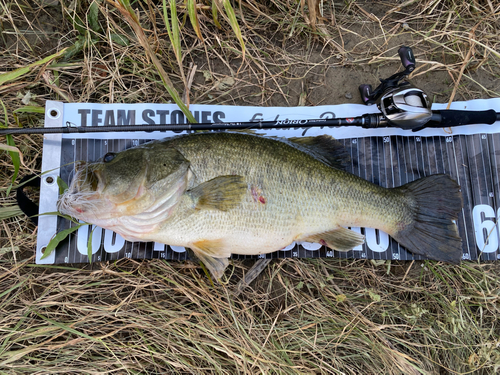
[(433, 233)]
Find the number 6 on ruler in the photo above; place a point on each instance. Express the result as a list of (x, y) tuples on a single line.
[(486, 230)]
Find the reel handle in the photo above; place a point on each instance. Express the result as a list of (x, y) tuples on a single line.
[(407, 58), (370, 96), (365, 91)]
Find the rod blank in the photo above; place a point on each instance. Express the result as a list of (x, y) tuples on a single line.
[(444, 118), (370, 121)]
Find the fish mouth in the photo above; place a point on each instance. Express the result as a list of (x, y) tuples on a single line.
[(86, 179), (83, 195)]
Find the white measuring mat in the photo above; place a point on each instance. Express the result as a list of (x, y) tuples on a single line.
[(388, 157)]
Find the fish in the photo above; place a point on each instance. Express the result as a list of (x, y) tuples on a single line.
[(223, 193)]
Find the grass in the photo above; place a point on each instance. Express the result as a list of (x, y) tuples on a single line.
[(300, 316)]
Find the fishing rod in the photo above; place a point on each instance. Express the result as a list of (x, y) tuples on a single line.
[(404, 120), (401, 105)]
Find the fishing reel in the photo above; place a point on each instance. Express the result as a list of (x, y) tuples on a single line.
[(401, 104)]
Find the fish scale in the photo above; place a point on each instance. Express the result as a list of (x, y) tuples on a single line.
[(293, 185)]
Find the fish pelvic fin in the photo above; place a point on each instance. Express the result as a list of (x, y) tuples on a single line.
[(213, 255), (340, 239), (324, 148), (221, 193), (433, 233)]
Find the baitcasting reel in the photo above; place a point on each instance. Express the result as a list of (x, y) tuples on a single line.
[(402, 105)]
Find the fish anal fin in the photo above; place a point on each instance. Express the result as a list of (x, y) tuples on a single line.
[(215, 247), (213, 254), (325, 148), (221, 193), (340, 239)]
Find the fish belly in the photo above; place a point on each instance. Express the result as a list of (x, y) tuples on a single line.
[(252, 228)]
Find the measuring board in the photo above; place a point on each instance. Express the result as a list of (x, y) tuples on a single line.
[(386, 157)]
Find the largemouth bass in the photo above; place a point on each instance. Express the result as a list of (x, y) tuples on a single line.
[(224, 193)]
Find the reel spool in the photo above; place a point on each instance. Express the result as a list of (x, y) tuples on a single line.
[(406, 107)]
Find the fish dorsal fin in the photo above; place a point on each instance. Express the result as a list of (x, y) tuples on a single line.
[(221, 193), (247, 131), (325, 148), (341, 239)]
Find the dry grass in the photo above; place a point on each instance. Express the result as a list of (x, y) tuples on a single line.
[(300, 316), (321, 316)]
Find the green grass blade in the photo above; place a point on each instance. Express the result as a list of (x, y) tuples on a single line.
[(120, 39), (12, 150), (166, 19), (175, 38), (193, 17), (75, 48), (234, 24), (67, 328), (93, 16), (174, 32), (63, 186), (30, 109), (89, 245), (58, 238), (15, 74), (5, 292), (124, 7), (78, 24), (174, 35), (57, 213), (16, 160), (215, 15), (6, 212)]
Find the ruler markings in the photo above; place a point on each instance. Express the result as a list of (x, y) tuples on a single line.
[(399, 165)]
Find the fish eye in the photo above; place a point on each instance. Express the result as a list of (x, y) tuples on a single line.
[(108, 157)]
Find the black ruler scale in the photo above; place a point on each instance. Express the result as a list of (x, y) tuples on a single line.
[(388, 161)]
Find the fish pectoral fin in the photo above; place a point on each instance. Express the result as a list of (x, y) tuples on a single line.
[(213, 255), (221, 193), (340, 239)]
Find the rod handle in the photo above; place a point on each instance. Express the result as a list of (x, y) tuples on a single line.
[(452, 117)]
